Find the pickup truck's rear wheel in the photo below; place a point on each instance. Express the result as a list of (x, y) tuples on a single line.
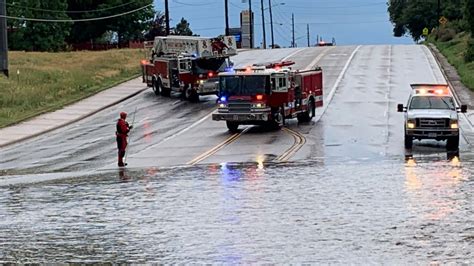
[(232, 126), (408, 142), (452, 144)]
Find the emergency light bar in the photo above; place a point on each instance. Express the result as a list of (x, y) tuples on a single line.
[(437, 89)]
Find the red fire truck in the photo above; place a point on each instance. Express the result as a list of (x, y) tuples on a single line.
[(267, 95), (187, 65)]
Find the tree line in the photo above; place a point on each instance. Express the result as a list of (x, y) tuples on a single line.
[(34, 27), (410, 17)]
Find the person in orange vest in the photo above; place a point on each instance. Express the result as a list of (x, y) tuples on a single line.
[(122, 133)]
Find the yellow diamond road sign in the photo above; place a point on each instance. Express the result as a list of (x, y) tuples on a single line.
[(426, 31), (443, 20)]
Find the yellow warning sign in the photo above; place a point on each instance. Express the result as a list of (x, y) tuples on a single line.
[(426, 31), (443, 20)]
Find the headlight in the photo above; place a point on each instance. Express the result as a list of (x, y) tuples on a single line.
[(200, 82), (259, 105), (411, 124), (454, 124), (222, 105)]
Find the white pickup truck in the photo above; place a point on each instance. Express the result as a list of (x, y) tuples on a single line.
[(432, 113)]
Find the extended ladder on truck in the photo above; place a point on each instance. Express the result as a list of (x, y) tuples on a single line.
[(187, 65)]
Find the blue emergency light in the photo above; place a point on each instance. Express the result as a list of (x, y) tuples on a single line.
[(223, 99)]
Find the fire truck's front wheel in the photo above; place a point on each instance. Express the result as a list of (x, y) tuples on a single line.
[(156, 86), (232, 126), (190, 94)]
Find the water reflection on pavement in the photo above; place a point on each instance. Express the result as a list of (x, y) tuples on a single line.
[(420, 210)]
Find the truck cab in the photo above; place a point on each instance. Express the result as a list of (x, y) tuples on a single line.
[(431, 113)]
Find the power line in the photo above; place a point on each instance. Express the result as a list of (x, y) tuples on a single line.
[(187, 4), (346, 6), (77, 20), (71, 11)]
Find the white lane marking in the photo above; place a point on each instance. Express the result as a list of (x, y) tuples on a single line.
[(177, 102), (144, 119), (316, 60), (182, 131), (338, 80), (292, 54), (387, 96)]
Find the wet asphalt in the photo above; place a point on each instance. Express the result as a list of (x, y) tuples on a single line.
[(348, 195)]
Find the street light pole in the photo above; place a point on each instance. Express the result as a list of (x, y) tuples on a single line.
[(3, 38), (271, 22), (167, 18), (293, 29), (226, 18), (251, 24), (307, 32), (263, 26)]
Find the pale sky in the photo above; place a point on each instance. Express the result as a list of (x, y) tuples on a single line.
[(348, 21)]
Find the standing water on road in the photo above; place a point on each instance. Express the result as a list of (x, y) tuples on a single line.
[(316, 212)]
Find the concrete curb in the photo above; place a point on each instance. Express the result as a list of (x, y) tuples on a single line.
[(101, 108)]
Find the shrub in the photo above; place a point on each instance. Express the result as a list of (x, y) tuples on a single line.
[(445, 34), (469, 55)]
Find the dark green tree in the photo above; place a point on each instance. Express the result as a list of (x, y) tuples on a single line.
[(469, 15), (182, 28), (127, 27), (157, 27), (412, 16), (396, 9), (38, 36)]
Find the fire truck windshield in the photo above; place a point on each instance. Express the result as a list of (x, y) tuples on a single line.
[(203, 66), (244, 85)]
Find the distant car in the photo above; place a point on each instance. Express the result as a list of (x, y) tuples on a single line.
[(432, 113), (322, 43)]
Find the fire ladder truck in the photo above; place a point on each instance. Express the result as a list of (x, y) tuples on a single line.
[(268, 95), (187, 65)]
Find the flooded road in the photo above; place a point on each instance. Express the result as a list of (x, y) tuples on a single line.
[(316, 212), (336, 190)]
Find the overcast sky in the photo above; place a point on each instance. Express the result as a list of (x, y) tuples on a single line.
[(348, 21)]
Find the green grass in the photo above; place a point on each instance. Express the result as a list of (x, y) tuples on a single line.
[(49, 81), (454, 51)]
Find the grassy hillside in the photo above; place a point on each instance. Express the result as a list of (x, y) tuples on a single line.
[(48, 81), (454, 51)]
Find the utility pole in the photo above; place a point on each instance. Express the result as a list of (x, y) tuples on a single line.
[(3, 38), (263, 26), (293, 44), (167, 18), (307, 33), (439, 11), (271, 22), (226, 18), (251, 24)]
